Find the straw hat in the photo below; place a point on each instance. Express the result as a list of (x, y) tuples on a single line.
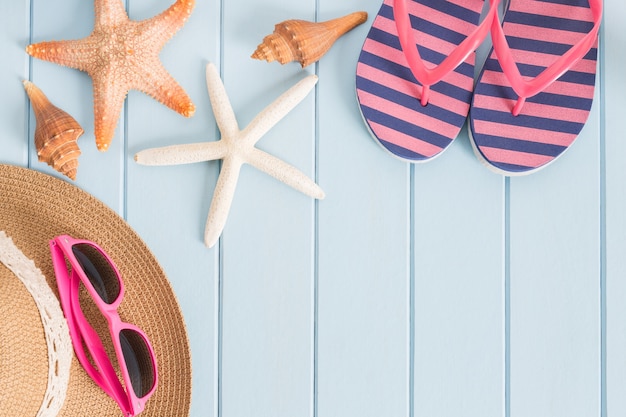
[(34, 208)]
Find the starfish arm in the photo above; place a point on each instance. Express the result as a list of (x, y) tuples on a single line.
[(273, 113), (108, 100), (182, 154), (222, 109), (284, 172), (109, 13), (78, 54), (222, 200), (119, 55), (162, 27), (160, 85)]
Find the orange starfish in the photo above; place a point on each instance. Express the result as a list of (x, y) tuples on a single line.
[(121, 54)]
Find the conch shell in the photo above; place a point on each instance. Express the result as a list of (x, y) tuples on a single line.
[(304, 41), (56, 133)]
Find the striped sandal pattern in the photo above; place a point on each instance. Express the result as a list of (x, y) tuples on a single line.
[(536, 89), (415, 98)]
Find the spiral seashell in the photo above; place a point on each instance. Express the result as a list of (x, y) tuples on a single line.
[(304, 41), (56, 133)]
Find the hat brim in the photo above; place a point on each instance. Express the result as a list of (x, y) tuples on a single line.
[(36, 207)]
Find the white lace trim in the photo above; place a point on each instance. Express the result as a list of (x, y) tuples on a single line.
[(57, 334)]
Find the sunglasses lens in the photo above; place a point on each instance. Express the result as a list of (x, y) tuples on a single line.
[(99, 270), (138, 362)]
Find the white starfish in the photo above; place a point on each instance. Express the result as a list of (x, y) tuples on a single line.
[(236, 147)]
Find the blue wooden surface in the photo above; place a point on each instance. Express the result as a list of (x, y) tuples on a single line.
[(432, 290)]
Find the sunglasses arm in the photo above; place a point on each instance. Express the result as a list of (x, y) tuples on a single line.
[(82, 334), (103, 374)]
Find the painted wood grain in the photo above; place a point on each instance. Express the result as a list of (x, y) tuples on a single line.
[(364, 234), (459, 278), (267, 244), (14, 36), (179, 196), (613, 109), (555, 283)]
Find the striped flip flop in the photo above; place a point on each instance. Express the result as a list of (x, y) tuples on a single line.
[(535, 91), (415, 74)]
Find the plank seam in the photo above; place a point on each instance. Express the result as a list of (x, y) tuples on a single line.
[(220, 251), (411, 321), (124, 165), (29, 128), (603, 240), (316, 251), (507, 297)]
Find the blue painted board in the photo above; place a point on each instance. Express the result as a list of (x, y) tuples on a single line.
[(14, 20), (267, 244), (613, 207), (179, 196), (363, 275)]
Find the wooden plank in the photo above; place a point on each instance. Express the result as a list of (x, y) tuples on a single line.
[(459, 254), (168, 205), (100, 174), (15, 24), (459, 284), (460, 209), (614, 107), (555, 283), (364, 234), (267, 244)]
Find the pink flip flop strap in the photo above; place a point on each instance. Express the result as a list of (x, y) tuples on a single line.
[(429, 76), (528, 88)]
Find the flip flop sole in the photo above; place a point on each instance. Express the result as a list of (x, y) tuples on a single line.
[(388, 93), (538, 32)]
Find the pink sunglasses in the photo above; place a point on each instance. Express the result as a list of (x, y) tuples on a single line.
[(89, 264)]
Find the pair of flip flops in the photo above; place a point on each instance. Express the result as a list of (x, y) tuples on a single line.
[(415, 78)]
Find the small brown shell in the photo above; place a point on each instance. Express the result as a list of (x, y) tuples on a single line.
[(56, 133), (304, 41)]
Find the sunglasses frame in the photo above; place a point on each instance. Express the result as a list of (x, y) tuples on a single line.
[(84, 336)]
